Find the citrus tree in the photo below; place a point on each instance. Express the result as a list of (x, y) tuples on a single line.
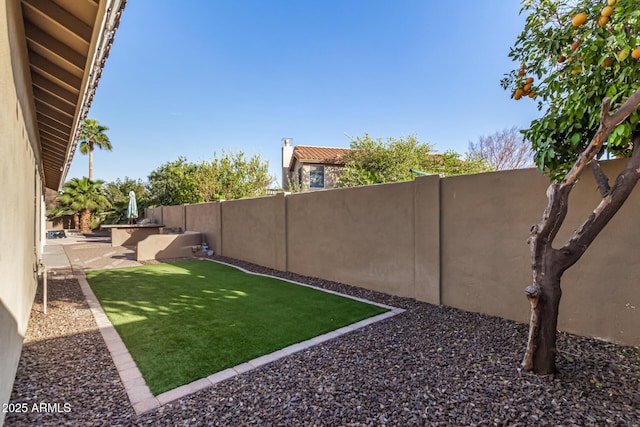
[(580, 61)]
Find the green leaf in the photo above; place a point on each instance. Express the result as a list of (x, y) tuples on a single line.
[(575, 139)]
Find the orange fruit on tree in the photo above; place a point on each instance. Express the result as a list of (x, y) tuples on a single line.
[(635, 54), (529, 80), (527, 88), (562, 59), (576, 71), (607, 11), (607, 62), (579, 19), (575, 44), (602, 20), (518, 94), (532, 95), (612, 2)]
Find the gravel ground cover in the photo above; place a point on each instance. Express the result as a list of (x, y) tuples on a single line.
[(428, 366)]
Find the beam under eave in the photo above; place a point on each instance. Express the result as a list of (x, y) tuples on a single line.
[(42, 119), (54, 131), (43, 83), (47, 68), (53, 101), (37, 37), (54, 114), (66, 20), (61, 143)]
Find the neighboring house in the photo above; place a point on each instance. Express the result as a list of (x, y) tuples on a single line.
[(310, 167), (51, 57)]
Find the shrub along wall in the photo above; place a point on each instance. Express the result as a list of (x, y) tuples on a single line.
[(458, 241)]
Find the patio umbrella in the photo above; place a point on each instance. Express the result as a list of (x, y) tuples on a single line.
[(132, 209)]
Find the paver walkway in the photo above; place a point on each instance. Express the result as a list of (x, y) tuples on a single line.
[(80, 253)]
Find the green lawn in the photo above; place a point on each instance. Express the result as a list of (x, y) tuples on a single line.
[(187, 320)]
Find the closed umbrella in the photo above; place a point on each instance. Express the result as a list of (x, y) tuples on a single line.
[(132, 209)]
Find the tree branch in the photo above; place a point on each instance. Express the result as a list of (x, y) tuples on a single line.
[(601, 178), (608, 123), (543, 234), (606, 209)]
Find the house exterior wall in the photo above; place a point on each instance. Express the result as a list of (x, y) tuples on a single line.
[(331, 175), (21, 214)]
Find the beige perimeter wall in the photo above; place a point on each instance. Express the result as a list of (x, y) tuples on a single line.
[(174, 216), (20, 215), (254, 230), (363, 236), (205, 218), (154, 214), (486, 259), (458, 241)]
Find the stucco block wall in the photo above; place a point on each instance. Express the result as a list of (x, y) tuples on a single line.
[(173, 216), (154, 215), (361, 236), (205, 218), (130, 236), (167, 246), (254, 230), (427, 239), (601, 292), (21, 218), (486, 261), (485, 220)]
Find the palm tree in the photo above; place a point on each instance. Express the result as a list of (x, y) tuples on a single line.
[(91, 136), (84, 195)]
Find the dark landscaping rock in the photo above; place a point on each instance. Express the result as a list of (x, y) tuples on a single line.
[(433, 366)]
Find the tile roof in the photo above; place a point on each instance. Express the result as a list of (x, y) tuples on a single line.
[(326, 155)]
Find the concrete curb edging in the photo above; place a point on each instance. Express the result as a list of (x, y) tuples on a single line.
[(139, 393), (140, 396)]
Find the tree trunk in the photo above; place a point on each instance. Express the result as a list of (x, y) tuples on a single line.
[(76, 221), (85, 221), (90, 160), (544, 333)]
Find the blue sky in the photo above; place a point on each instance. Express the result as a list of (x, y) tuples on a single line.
[(190, 78)]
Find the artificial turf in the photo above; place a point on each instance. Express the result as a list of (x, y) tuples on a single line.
[(189, 319)]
